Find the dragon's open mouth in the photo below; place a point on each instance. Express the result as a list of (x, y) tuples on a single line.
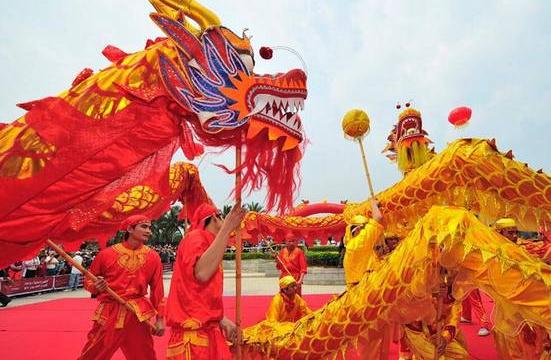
[(275, 101), (409, 127), (280, 109)]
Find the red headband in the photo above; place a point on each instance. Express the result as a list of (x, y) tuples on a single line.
[(133, 221), (202, 212)]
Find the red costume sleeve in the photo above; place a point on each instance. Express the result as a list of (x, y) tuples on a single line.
[(279, 259), (191, 303), (302, 263), (193, 249)]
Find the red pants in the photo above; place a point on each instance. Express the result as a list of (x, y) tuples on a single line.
[(133, 337), (201, 344), (474, 302)]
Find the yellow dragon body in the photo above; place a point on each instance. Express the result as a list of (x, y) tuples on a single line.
[(400, 290), (432, 209)]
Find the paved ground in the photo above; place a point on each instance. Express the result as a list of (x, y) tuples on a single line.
[(252, 284)]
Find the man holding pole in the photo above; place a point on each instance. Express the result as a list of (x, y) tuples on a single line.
[(292, 261), (128, 268), (195, 311)]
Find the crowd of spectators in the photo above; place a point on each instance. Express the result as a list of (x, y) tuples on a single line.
[(48, 263), (166, 252)]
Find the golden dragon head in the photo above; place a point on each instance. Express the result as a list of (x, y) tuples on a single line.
[(408, 142)]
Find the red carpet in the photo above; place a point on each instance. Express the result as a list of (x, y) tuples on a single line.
[(57, 329)]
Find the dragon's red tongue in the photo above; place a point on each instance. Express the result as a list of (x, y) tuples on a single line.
[(274, 133)]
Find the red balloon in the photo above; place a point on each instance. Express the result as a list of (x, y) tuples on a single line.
[(266, 52), (460, 116)]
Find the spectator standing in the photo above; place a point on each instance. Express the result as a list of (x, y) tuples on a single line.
[(74, 276), (15, 271), (51, 264), (342, 250), (164, 256), (41, 269), (30, 267)]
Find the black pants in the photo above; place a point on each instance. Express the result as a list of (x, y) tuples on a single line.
[(4, 300), (51, 272), (30, 274)]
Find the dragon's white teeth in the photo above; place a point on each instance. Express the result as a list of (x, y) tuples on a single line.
[(257, 109), (282, 110), (285, 104), (275, 108), (260, 105), (292, 121)]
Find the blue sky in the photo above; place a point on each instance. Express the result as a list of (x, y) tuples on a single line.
[(492, 56)]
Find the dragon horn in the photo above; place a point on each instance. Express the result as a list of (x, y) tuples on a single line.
[(192, 9)]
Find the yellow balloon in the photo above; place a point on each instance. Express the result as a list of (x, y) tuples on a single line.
[(355, 123)]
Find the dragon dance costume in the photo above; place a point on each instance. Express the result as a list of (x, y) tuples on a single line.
[(470, 173), (360, 256), (128, 272), (284, 309), (194, 309), (292, 263)]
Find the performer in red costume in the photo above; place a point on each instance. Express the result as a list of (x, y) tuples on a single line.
[(292, 261), (195, 311), (128, 268), (473, 304)]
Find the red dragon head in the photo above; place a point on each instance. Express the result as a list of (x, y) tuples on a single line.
[(227, 104)]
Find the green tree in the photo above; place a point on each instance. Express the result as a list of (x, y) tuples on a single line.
[(226, 210), (254, 206), (116, 239), (166, 229)]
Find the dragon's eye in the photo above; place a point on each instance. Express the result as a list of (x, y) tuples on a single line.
[(248, 61)]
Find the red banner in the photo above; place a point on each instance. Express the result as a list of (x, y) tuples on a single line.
[(61, 281), (27, 286)]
